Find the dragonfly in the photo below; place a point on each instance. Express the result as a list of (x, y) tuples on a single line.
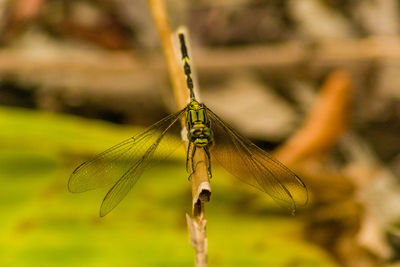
[(121, 166)]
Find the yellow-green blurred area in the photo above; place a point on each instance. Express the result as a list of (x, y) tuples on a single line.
[(42, 224), (314, 82)]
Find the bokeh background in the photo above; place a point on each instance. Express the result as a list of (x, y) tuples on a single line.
[(314, 81)]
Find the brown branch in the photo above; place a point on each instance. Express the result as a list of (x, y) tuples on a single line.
[(325, 123), (321, 130), (201, 189), (175, 71)]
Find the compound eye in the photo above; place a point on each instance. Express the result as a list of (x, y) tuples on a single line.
[(206, 132), (197, 132)]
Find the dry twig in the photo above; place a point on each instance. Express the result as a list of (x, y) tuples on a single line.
[(201, 189)]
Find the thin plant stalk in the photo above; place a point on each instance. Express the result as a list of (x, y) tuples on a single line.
[(201, 189)]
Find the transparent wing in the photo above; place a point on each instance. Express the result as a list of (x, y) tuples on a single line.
[(254, 166), (123, 164)]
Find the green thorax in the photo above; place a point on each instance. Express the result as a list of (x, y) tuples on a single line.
[(198, 124)]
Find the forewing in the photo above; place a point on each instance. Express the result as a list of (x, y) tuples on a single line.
[(164, 145), (254, 166), (116, 162)]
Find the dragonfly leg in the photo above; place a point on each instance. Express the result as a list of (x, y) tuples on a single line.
[(192, 159), (187, 156), (209, 161), (190, 176)]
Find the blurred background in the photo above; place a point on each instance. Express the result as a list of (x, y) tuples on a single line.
[(313, 81)]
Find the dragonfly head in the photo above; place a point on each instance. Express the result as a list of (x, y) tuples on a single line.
[(200, 135), (194, 105)]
